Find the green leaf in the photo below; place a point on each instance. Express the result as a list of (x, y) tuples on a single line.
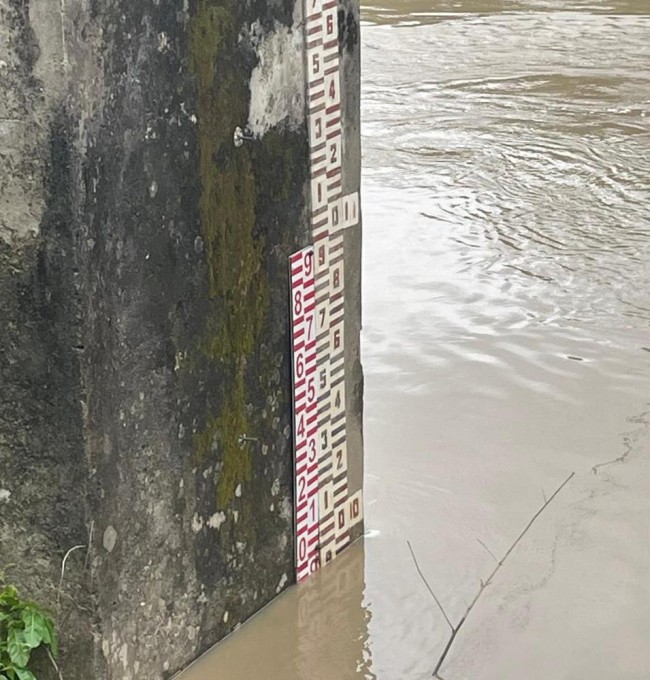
[(8, 591), (9, 598), (19, 651), (51, 638), (24, 674), (34, 627), (48, 630)]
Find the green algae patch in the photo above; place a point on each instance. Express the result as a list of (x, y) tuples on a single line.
[(234, 254), (227, 204), (224, 430)]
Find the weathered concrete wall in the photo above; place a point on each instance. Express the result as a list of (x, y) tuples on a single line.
[(144, 315), (42, 461)]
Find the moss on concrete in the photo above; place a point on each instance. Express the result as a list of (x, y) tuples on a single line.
[(234, 255), (225, 430)]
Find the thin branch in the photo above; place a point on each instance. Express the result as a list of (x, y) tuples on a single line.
[(531, 522), (426, 583), (455, 631), (488, 550), (56, 667), (629, 440), (65, 559)]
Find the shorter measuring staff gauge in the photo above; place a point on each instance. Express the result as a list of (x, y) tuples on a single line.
[(324, 511), (305, 403)]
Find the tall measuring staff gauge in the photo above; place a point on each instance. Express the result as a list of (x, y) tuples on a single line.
[(325, 510)]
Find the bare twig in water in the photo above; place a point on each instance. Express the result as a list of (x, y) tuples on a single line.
[(484, 584), (488, 550), (440, 607), (629, 440), (544, 495), (65, 559)]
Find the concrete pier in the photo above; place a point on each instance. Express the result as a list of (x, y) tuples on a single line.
[(145, 369)]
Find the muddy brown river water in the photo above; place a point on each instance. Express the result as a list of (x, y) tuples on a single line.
[(506, 344)]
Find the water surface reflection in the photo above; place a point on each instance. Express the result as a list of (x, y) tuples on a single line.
[(322, 624)]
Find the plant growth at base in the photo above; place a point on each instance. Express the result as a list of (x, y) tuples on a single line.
[(24, 627)]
